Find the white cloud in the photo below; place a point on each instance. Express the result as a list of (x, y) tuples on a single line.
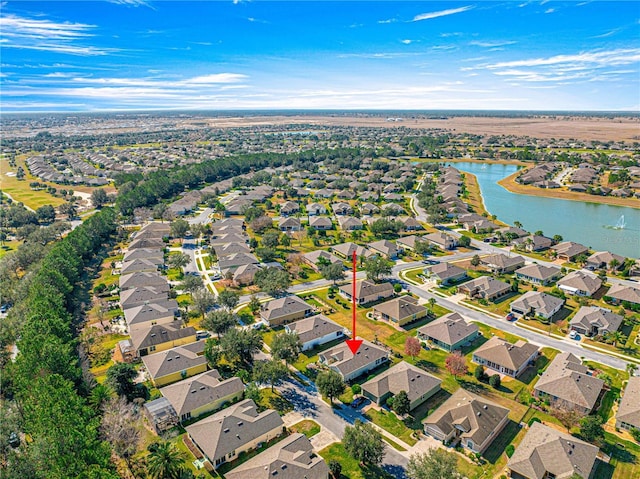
[(623, 56), (492, 44), (441, 13), (132, 3), (215, 78), (407, 41), (388, 20), (550, 10)]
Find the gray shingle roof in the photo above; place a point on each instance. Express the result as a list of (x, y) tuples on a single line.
[(629, 409), (341, 357), (500, 351), (314, 327), (603, 319), (543, 303), (399, 308), (402, 377), (449, 329), (173, 360), (283, 307)]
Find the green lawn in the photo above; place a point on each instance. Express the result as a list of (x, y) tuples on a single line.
[(273, 400), (350, 467), (390, 423), (307, 427), (625, 459)]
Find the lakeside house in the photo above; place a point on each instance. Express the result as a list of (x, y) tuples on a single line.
[(505, 358), (628, 296), (604, 260), (450, 332), (538, 274), (417, 383), (468, 420), (568, 250), (580, 283)]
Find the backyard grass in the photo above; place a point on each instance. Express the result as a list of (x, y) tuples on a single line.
[(8, 247), (350, 467), (307, 427), (273, 400), (625, 459), (389, 422)]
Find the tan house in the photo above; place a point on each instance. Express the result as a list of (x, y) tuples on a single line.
[(239, 428), (569, 250), (346, 250), (621, 294), (175, 364), (593, 320), (546, 453), (538, 274), (350, 366), (449, 332), (152, 313), (401, 311), (315, 258), (159, 337), (468, 420), (284, 310), (442, 240), (367, 291), (501, 263), (580, 283), (485, 287), (604, 260), (137, 280), (628, 415), (446, 273), (291, 458), (201, 394), (535, 303), (568, 384), (417, 383), (505, 358), (315, 331)]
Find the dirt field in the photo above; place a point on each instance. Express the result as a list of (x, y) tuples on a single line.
[(567, 127)]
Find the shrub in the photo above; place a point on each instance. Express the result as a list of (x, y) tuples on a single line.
[(509, 450), (356, 389), (397, 287), (531, 421), (479, 373), (494, 381)]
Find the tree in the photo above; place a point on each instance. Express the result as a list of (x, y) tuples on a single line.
[(616, 337), (165, 461), (330, 384), (335, 468), (433, 464), (273, 281), (179, 228), (219, 322), (432, 303), (271, 240), (377, 266), (191, 283), (362, 442), (613, 264), (635, 433), (456, 364), (197, 229), (494, 381), (464, 241), (401, 404), (568, 416), (557, 238), (285, 241), (178, 260), (68, 209), (20, 174), (120, 426), (99, 198), (239, 345), (267, 254), (254, 304), (203, 301), (270, 372), (479, 373), (120, 377), (286, 347), (412, 346), (46, 214), (517, 224), (228, 299), (591, 429), (332, 272), (475, 261)]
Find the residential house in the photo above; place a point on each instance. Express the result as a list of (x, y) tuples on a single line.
[(138, 265), (568, 250), (203, 393), (533, 243), (318, 257), (546, 453), (417, 383), (315, 331), (289, 208), (350, 366), (289, 224), (442, 240), (501, 263), (227, 249), (628, 415), (233, 261), (446, 273), (505, 358), (593, 321), (341, 209), (285, 310), (367, 291), (291, 458), (159, 337), (538, 274), (580, 283), (146, 243), (320, 223), (137, 280), (628, 296), (223, 436), (568, 384), (536, 303), (385, 248), (402, 310), (369, 209), (228, 238), (139, 296), (410, 224), (155, 255), (449, 332), (408, 243), (605, 260), (316, 209), (346, 250), (485, 287), (152, 313), (349, 223), (171, 365), (468, 420), (245, 273)]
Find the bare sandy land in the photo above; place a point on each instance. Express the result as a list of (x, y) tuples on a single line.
[(566, 127)]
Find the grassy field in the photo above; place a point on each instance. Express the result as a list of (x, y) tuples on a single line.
[(307, 427), (389, 422), (350, 467)]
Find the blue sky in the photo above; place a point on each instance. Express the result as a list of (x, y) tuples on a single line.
[(133, 54)]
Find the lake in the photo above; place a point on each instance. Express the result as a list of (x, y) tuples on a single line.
[(590, 224)]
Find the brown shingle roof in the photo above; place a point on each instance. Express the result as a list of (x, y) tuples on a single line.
[(500, 351)]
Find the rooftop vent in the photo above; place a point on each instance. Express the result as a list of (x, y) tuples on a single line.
[(226, 429)]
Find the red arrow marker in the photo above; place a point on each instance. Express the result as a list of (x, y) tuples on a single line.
[(353, 343)]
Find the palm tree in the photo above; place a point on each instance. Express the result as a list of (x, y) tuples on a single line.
[(165, 461), (616, 337), (432, 303), (613, 264)]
